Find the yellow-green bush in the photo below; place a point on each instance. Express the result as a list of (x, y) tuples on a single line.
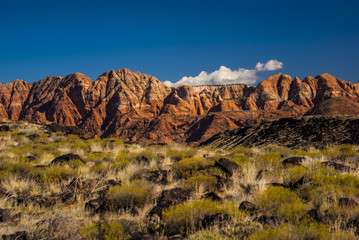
[(207, 182), (330, 186), (127, 197), (186, 167), (268, 160), (53, 174), (282, 202), (179, 155), (287, 231), (185, 217), (294, 174), (207, 235), (105, 231)]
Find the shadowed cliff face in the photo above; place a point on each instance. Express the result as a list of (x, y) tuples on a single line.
[(137, 106)]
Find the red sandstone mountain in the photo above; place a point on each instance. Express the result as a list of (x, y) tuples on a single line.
[(137, 106)]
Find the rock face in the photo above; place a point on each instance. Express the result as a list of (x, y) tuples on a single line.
[(301, 132), (139, 107)]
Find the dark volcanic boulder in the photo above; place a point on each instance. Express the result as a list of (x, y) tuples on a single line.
[(247, 206), (4, 215), (211, 196), (218, 218), (315, 215), (354, 224), (227, 165), (142, 236), (60, 160), (20, 235), (293, 161), (295, 185), (269, 220), (347, 202), (261, 173), (337, 166), (95, 205), (169, 198)]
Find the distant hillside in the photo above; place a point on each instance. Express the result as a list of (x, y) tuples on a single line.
[(292, 132), (139, 107)]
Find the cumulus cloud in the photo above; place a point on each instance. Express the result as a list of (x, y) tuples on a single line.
[(224, 75), (271, 65)]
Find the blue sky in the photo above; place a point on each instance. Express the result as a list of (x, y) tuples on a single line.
[(171, 39)]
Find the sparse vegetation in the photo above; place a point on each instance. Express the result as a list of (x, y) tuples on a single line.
[(123, 191)]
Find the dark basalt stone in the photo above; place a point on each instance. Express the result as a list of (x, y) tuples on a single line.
[(227, 166), (338, 166), (211, 220), (260, 174), (142, 236), (293, 161), (247, 206), (60, 160), (4, 215), (211, 196), (269, 220), (168, 198), (94, 204), (347, 202), (32, 137), (297, 184), (20, 235), (354, 224), (315, 215)]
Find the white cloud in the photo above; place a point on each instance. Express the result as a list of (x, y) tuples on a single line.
[(271, 65), (224, 75)]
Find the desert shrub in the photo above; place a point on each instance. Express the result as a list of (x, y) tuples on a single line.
[(282, 202), (295, 173), (240, 158), (179, 155), (53, 174), (97, 156), (241, 149), (330, 187), (100, 169), (207, 182), (105, 231), (186, 167), (268, 160), (207, 235), (127, 197), (59, 226), (285, 231), (186, 217)]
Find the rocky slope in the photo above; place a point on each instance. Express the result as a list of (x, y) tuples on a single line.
[(137, 106), (302, 132)]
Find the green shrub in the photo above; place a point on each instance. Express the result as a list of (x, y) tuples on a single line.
[(126, 197), (268, 160), (240, 158), (207, 235), (186, 167), (179, 155), (330, 187), (105, 231), (298, 232), (294, 174), (282, 202), (53, 174), (185, 217), (207, 182)]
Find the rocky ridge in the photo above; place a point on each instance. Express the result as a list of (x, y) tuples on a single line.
[(138, 106)]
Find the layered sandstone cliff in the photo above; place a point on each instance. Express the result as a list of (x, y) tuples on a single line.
[(137, 106)]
